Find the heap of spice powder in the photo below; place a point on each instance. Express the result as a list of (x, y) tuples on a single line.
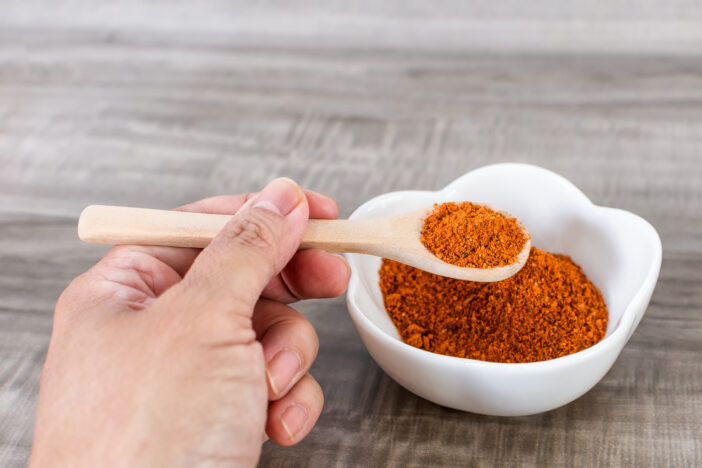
[(471, 235), (547, 310)]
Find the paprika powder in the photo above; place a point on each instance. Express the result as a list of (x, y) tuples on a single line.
[(471, 235), (547, 310)]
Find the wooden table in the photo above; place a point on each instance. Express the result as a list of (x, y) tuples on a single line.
[(156, 120)]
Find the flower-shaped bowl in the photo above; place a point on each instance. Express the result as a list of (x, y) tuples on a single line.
[(619, 251)]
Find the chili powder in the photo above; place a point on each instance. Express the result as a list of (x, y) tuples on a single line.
[(471, 235), (547, 310)]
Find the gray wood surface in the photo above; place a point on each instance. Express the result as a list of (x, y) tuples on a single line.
[(155, 119), (641, 26)]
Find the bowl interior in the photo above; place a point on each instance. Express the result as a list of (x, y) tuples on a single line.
[(615, 248)]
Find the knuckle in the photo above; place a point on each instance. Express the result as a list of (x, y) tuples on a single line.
[(62, 310), (65, 302), (258, 231), (307, 330), (294, 320)]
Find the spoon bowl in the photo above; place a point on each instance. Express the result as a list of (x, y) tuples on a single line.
[(398, 238)]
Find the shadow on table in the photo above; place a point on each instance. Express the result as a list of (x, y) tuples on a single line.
[(376, 422)]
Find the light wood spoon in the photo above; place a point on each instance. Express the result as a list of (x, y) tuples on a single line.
[(393, 237)]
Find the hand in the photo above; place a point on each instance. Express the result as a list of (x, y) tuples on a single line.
[(165, 357)]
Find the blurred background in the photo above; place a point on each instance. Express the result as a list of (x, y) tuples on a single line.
[(157, 103)]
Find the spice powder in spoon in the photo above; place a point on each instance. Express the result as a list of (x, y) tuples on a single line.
[(471, 235)]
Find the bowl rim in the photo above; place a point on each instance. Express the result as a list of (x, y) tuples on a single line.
[(618, 337)]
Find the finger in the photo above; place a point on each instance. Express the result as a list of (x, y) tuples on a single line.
[(290, 345), (292, 417), (309, 274), (229, 275), (121, 264), (320, 206), (221, 204), (127, 276), (178, 258)]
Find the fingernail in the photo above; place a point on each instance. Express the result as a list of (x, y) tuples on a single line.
[(280, 196), (293, 419), (282, 368)]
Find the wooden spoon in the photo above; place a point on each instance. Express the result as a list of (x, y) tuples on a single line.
[(393, 237)]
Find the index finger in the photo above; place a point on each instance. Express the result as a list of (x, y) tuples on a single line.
[(321, 206)]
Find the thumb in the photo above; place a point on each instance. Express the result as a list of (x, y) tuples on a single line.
[(251, 248)]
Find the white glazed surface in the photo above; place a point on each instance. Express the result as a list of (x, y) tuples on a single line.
[(619, 251)]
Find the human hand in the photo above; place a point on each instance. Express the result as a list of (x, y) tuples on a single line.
[(164, 356)]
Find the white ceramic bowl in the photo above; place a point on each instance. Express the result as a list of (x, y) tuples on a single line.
[(619, 251)]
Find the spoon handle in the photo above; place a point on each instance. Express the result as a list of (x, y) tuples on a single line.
[(102, 224)]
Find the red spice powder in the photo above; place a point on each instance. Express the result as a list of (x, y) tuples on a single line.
[(471, 235), (547, 310)]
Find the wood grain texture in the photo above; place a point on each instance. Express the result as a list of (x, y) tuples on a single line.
[(147, 119), (621, 26)]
